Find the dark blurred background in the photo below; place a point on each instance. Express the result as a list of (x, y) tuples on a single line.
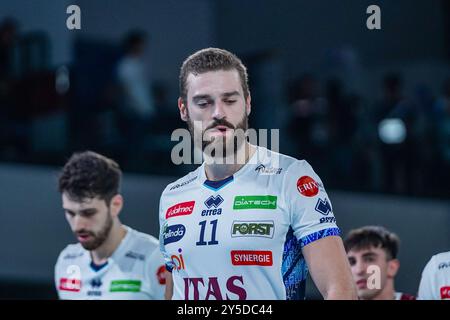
[(368, 109)]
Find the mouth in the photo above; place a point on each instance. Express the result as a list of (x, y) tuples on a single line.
[(221, 129), (361, 284), (83, 237)]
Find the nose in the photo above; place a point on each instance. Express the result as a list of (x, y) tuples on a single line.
[(219, 110), (360, 268), (78, 223)]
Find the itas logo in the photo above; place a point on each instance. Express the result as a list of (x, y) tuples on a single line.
[(251, 258), (178, 261), (255, 202), (180, 209), (262, 170), (307, 186), (323, 207), (234, 286), (263, 229), (213, 202), (173, 233), (73, 285), (161, 275), (445, 293)]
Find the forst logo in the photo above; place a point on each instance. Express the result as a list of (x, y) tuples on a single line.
[(180, 209), (252, 229), (173, 233), (307, 186)]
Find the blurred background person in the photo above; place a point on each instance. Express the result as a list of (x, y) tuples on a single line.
[(435, 281), (369, 247), (110, 261), (136, 106)]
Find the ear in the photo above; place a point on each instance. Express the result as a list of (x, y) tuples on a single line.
[(393, 266), (183, 109), (248, 105), (116, 205)]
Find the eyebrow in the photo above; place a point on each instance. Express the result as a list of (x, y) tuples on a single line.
[(223, 95), (369, 254), (82, 210)]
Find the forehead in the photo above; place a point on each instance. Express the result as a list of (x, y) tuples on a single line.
[(363, 251), (86, 203), (213, 83)]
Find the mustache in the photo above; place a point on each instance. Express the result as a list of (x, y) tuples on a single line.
[(220, 122)]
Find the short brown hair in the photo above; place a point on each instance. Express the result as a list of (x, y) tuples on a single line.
[(373, 236), (89, 175), (212, 59)]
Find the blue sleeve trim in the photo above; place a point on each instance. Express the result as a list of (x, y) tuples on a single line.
[(319, 235), (169, 267)]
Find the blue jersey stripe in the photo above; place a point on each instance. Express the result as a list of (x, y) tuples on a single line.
[(319, 235)]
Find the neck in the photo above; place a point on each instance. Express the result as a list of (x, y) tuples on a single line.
[(388, 292), (217, 172), (116, 235)]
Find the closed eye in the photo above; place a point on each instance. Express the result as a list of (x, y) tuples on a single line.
[(230, 102)]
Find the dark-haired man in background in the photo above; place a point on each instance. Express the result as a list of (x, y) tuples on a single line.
[(372, 252), (110, 260)]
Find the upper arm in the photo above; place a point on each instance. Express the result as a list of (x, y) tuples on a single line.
[(307, 203), (329, 268), (169, 286), (155, 274)]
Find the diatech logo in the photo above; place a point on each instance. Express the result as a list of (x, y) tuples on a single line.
[(173, 233), (180, 209), (255, 202), (125, 286), (263, 229)]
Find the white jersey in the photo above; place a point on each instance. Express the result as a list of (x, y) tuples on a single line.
[(241, 238), (135, 271), (435, 282)]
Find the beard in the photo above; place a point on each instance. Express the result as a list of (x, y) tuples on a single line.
[(234, 143), (98, 238)]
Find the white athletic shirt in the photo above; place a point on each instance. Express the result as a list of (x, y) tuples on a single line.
[(241, 238), (135, 271), (435, 282)]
